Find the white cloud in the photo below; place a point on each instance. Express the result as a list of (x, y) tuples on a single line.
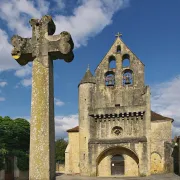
[(2, 99), (3, 83), (43, 7), (6, 61), (58, 102), (28, 7), (63, 123), (166, 101), (26, 82), (60, 4), (24, 71), (18, 12), (90, 18), (176, 131), (10, 12)]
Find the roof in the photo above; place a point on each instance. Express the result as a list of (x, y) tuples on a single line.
[(88, 77), (75, 129), (154, 117)]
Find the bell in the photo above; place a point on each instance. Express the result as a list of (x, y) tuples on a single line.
[(127, 79)]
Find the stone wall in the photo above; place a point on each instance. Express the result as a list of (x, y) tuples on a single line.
[(130, 166), (130, 127), (178, 151), (60, 168), (2, 174), (85, 101), (135, 65), (72, 154), (135, 154), (160, 135), (118, 112), (23, 175)]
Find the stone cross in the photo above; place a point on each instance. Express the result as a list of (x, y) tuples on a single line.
[(42, 49), (118, 34)]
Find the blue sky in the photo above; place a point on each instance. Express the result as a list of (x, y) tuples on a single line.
[(150, 28)]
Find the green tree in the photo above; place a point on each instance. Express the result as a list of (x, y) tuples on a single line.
[(61, 145), (14, 139)]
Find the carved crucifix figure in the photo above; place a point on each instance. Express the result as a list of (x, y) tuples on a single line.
[(42, 49)]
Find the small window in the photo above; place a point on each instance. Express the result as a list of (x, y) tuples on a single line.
[(109, 79), (125, 60), (112, 62), (127, 77), (117, 131), (118, 49), (117, 105)]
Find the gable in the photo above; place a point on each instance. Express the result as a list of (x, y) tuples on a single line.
[(119, 52)]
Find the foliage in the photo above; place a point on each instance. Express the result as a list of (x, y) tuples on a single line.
[(14, 137), (61, 145), (23, 162), (1, 163)]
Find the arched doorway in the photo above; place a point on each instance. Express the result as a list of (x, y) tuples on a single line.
[(127, 162), (117, 165), (156, 163)]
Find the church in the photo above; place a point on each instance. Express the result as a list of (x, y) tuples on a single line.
[(118, 133)]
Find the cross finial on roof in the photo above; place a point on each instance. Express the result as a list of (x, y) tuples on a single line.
[(118, 34)]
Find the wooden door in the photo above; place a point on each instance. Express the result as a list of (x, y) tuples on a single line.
[(117, 165), (117, 168)]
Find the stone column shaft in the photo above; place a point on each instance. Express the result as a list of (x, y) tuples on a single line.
[(42, 151)]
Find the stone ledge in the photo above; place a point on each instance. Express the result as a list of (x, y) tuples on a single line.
[(118, 141)]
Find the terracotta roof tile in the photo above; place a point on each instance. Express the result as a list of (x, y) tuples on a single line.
[(75, 129), (155, 117)]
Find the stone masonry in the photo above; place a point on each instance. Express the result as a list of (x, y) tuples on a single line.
[(118, 134)]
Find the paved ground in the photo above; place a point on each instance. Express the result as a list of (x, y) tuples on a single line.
[(153, 177)]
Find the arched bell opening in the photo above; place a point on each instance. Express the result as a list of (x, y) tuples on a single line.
[(110, 78), (112, 62), (125, 60), (127, 77), (118, 50)]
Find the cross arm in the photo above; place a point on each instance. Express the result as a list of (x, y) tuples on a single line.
[(22, 51), (60, 46)]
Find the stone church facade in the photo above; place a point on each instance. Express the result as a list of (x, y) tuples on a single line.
[(118, 134)]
